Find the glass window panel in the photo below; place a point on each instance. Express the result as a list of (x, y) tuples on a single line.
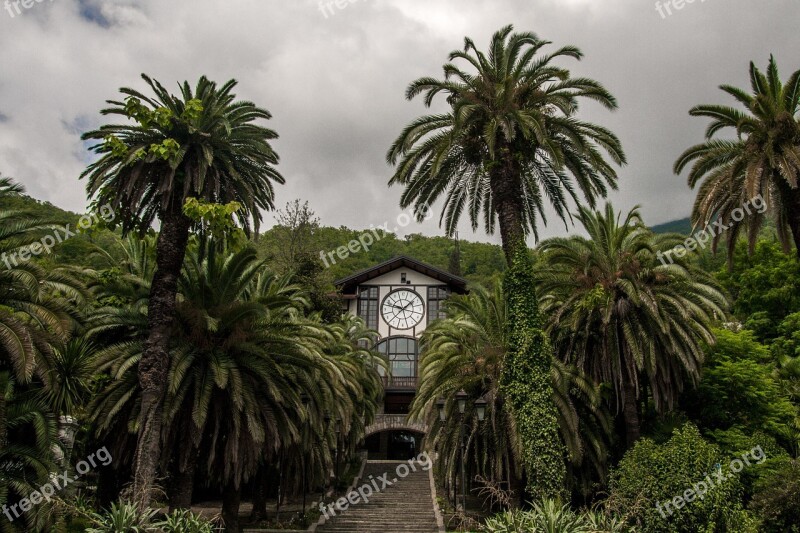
[(436, 295), (402, 369), (402, 355), (368, 306)]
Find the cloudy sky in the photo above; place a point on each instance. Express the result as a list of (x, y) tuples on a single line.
[(335, 81)]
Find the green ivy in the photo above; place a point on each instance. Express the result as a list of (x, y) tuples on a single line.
[(167, 150), (527, 385), (216, 220)]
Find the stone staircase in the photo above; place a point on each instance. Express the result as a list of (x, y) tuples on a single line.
[(404, 507)]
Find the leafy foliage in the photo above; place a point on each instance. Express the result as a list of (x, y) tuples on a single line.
[(765, 287), (777, 499), (739, 389), (551, 517), (123, 518), (652, 475)]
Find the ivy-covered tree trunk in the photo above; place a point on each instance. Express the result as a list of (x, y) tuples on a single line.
[(170, 252), (527, 385), (525, 381)]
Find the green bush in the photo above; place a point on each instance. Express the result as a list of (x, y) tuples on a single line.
[(739, 389), (650, 475), (550, 517), (777, 498), (183, 521), (125, 518), (122, 518)]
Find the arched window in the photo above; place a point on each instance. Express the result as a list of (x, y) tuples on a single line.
[(401, 352)]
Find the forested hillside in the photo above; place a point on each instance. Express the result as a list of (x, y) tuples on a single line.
[(292, 236)]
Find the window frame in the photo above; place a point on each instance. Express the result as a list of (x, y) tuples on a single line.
[(375, 311), (438, 299)]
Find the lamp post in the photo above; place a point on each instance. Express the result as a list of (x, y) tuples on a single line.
[(461, 398), (461, 402), (338, 432), (327, 419), (305, 400)]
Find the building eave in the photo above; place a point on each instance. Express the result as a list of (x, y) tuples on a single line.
[(348, 285)]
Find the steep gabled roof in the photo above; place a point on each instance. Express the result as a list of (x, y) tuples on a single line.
[(348, 285)]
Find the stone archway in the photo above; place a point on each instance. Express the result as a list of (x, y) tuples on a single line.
[(394, 423)]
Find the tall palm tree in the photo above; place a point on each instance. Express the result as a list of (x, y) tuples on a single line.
[(466, 351), (763, 159), (202, 144), (510, 143), (624, 317)]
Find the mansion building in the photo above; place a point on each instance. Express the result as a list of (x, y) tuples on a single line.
[(398, 298)]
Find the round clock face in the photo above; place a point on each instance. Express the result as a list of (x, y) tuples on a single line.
[(402, 309)]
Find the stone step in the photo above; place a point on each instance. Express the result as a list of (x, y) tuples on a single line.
[(404, 507)]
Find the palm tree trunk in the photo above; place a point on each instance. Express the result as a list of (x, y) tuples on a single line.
[(183, 487), (231, 498), (793, 219), (4, 377), (630, 413), (170, 252), (630, 392), (517, 487), (525, 379), (260, 495)]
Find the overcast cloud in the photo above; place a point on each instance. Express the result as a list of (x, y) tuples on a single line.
[(335, 85)]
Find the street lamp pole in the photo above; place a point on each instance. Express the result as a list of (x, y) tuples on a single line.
[(338, 432), (480, 409), (327, 419), (461, 401), (305, 400)]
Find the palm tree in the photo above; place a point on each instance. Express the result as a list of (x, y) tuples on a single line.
[(242, 358), (128, 273), (201, 144), (466, 351), (624, 317), (509, 143), (27, 436), (38, 307), (763, 159), (71, 376)]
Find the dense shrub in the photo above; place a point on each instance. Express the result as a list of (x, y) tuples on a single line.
[(777, 498), (740, 390), (650, 475)]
